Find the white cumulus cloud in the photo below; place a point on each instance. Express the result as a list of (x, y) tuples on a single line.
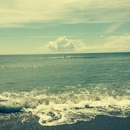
[(64, 44)]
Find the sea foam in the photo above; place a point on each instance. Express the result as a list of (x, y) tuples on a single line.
[(66, 107)]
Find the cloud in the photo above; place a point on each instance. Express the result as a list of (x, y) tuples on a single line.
[(112, 44), (64, 44), (18, 13), (61, 44), (118, 43), (113, 27)]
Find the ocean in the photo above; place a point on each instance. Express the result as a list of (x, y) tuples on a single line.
[(61, 91)]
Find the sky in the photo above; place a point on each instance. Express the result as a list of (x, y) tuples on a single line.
[(68, 26)]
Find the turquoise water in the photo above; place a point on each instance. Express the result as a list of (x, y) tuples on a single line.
[(65, 88)]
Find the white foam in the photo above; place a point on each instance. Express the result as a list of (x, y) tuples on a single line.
[(65, 108)]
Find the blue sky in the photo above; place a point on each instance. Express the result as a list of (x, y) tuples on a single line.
[(69, 26)]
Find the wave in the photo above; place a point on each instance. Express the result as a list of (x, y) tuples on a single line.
[(43, 57), (66, 107), (72, 57)]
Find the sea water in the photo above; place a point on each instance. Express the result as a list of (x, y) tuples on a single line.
[(64, 88)]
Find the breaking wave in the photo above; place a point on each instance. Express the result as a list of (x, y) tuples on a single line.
[(67, 107)]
